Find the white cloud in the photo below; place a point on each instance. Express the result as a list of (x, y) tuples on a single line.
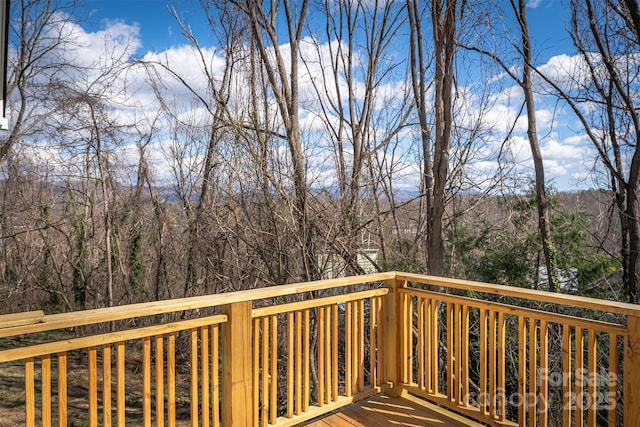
[(577, 140), (568, 72), (189, 64), (580, 175), (564, 154), (554, 150), (555, 168), (544, 119)]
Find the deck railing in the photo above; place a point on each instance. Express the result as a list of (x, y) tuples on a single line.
[(282, 355)]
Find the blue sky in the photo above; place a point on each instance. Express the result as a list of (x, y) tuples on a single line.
[(548, 21), (159, 30), (566, 156)]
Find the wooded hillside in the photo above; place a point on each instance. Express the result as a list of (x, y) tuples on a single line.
[(316, 138)]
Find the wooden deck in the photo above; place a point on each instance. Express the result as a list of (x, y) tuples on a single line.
[(382, 410), (239, 364)]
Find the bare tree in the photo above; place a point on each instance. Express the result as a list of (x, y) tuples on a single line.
[(53, 90), (544, 226), (360, 116), (282, 70), (39, 37), (525, 82), (206, 140), (420, 83), (603, 94), (444, 21)]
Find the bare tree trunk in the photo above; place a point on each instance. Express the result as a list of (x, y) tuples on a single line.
[(544, 226), (525, 83), (106, 198), (283, 80), (418, 66), (443, 13)]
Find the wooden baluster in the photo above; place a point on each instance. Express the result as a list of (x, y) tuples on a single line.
[(428, 337), (306, 376), (120, 379), (321, 353), (592, 378), (264, 415), (491, 373), (501, 377), (348, 350), (93, 386), (543, 403), (204, 375), (450, 351), (354, 347), (380, 343), (580, 379), (215, 381), (420, 344), (632, 372), (30, 393), (159, 381), (612, 397), (171, 380), (46, 390), (482, 338), (106, 385), (382, 363), (533, 366), (435, 340), (298, 385), (522, 371), (193, 334), (408, 343), (361, 346), (373, 342), (291, 361), (458, 353), (256, 369), (327, 357), (273, 394), (62, 389), (146, 382), (334, 350), (464, 359), (567, 375)]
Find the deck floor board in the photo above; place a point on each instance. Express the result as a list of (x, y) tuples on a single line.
[(382, 410)]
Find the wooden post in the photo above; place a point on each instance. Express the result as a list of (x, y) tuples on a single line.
[(395, 338), (237, 368), (632, 373)]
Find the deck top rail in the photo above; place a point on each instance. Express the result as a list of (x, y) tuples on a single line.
[(38, 322), (108, 314), (568, 300)]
